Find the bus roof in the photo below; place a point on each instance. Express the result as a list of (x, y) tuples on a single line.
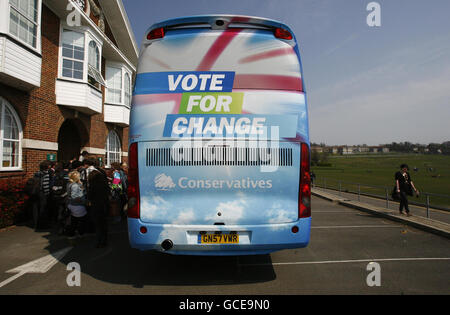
[(210, 21)]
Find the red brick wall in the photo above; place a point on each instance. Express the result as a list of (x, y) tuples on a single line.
[(32, 107), (36, 109), (92, 16), (125, 139)]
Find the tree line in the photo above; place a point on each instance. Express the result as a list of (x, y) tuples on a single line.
[(409, 147), (432, 148)]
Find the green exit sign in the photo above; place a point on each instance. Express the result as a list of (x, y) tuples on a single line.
[(51, 157)]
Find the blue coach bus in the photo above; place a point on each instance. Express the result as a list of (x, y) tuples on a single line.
[(219, 156)]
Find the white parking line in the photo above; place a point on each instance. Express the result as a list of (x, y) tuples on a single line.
[(347, 261), (355, 226)]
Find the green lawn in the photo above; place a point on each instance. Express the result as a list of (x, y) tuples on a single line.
[(379, 170)]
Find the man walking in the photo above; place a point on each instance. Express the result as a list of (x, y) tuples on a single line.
[(404, 186)]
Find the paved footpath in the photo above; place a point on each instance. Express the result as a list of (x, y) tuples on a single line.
[(344, 243), (421, 211), (376, 207)]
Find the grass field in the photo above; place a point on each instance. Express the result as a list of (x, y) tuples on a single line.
[(379, 170)]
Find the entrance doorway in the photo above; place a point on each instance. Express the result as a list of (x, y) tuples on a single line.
[(69, 140)]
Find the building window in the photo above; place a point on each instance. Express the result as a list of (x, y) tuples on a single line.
[(114, 84), (23, 20), (127, 88), (94, 76), (113, 148), (119, 84), (72, 55), (94, 55), (10, 137), (76, 60)]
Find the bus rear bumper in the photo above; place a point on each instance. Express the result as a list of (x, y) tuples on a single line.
[(253, 239)]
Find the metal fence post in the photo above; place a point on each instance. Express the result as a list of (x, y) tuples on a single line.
[(340, 188), (387, 198), (325, 183), (428, 206), (359, 192)]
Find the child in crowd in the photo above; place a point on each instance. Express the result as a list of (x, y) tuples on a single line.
[(76, 202), (116, 193)]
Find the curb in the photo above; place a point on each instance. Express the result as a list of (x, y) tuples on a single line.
[(428, 225)]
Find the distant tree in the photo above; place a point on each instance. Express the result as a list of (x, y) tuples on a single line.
[(445, 147), (315, 157), (433, 147), (319, 158), (324, 157)]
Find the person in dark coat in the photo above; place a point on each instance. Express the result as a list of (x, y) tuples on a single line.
[(98, 196), (59, 194), (313, 178), (83, 156), (405, 187), (40, 204)]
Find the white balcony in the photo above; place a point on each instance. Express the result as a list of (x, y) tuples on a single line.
[(79, 96), (117, 114), (19, 67)]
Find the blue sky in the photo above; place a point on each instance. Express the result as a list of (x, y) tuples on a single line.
[(364, 85)]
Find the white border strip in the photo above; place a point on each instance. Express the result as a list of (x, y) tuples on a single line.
[(39, 145), (91, 150), (355, 226), (347, 261)]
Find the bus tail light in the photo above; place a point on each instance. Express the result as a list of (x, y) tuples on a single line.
[(133, 182), (156, 33), (304, 194), (282, 34)]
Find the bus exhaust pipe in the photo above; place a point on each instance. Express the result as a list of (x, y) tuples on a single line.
[(166, 245)]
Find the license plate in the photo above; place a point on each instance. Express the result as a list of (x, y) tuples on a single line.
[(218, 239)]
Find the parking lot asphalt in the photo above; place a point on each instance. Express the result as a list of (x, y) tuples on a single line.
[(344, 245)]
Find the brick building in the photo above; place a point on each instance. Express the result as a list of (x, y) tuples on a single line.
[(66, 75)]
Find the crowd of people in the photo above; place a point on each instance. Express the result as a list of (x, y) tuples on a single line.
[(78, 196)]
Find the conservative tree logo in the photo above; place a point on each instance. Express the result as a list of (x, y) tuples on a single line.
[(164, 182)]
